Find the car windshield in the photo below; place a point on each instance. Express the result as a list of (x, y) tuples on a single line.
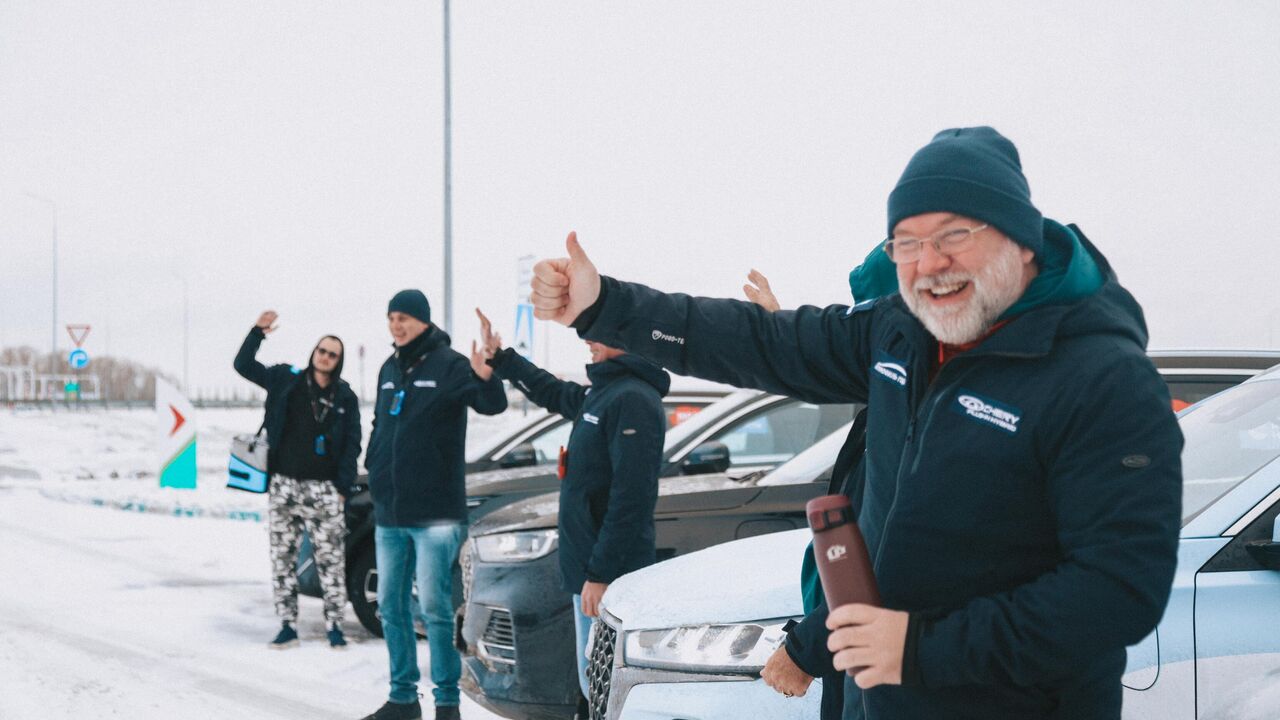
[(1229, 437), (809, 465), (679, 434)]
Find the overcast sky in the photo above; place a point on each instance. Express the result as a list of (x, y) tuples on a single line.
[(289, 155)]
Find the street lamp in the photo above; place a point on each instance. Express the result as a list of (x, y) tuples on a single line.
[(53, 335)]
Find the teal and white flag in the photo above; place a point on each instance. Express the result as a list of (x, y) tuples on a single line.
[(176, 419)]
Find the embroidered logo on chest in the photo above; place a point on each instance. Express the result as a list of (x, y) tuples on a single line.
[(989, 412)]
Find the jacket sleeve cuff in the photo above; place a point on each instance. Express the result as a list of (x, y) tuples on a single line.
[(588, 317), (912, 675), (792, 653), (502, 362)]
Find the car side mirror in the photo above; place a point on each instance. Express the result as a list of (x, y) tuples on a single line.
[(522, 455), (1267, 552), (709, 457)]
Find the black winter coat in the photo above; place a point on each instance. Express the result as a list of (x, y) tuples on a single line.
[(417, 456), (1023, 506), (342, 434), (613, 459)]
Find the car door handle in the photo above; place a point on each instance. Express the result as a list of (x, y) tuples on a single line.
[(1266, 552)]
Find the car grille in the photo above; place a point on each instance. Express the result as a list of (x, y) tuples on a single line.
[(600, 669), (499, 640)]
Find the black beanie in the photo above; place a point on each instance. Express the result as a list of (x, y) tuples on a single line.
[(411, 302), (973, 172)]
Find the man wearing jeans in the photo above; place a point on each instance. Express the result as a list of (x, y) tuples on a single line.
[(416, 461)]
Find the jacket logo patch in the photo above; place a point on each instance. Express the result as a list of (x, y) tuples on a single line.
[(990, 412), (424, 383), (388, 385), (659, 335), (629, 431), (591, 418), (891, 369)]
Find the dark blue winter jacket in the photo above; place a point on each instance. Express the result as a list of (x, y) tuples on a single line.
[(1023, 506), (342, 434), (613, 459), (417, 454)]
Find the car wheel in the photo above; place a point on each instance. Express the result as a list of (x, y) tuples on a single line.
[(362, 589)]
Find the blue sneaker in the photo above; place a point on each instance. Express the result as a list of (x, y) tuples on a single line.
[(336, 640), (286, 638)]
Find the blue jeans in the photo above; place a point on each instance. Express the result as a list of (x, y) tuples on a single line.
[(581, 633), (426, 553)]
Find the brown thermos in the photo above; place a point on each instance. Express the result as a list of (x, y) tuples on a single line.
[(841, 553)]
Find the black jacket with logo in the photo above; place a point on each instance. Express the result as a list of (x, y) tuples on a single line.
[(342, 428), (1023, 506), (613, 459), (417, 456)]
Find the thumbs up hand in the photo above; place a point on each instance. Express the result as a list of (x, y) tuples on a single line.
[(564, 287)]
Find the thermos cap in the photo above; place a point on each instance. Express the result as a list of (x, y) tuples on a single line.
[(828, 511)]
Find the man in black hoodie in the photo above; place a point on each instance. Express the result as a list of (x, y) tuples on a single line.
[(416, 463), (610, 469), (313, 430)]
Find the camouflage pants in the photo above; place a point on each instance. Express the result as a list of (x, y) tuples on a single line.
[(316, 507)]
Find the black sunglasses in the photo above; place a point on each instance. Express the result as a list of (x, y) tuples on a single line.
[(328, 353)]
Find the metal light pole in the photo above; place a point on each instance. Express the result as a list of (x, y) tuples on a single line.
[(448, 183), (53, 335)]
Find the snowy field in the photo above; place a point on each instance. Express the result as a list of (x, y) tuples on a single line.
[(111, 613)]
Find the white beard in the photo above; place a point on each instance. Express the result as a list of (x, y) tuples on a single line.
[(996, 287)]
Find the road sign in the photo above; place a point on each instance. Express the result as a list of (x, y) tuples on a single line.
[(78, 333), (78, 359), (71, 388), (524, 276), (524, 331)]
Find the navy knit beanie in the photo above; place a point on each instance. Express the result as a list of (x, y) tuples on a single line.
[(412, 303), (973, 172)]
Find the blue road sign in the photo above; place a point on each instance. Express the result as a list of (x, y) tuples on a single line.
[(524, 330), (78, 359)]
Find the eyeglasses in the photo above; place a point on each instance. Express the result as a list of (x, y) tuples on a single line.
[(906, 250), (327, 353)]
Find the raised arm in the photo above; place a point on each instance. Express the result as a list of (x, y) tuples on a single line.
[(544, 389), (246, 362)]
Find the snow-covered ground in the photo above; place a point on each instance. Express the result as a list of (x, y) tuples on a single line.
[(105, 613)]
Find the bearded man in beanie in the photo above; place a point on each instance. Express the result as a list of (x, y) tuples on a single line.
[(416, 462), (313, 432), (1022, 486)]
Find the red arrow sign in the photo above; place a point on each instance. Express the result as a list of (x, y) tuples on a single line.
[(178, 420)]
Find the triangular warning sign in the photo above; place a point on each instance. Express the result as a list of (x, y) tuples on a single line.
[(78, 333)]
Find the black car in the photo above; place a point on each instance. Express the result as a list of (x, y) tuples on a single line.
[(517, 633), (761, 429)]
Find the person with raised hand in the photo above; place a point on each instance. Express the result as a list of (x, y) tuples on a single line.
[(609, 469), (313, 432), (1022, 495)]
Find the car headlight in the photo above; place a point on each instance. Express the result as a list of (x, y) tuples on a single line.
[(516, 546), (738, 648)]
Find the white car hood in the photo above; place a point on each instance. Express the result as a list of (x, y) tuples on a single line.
[(755, 578)]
